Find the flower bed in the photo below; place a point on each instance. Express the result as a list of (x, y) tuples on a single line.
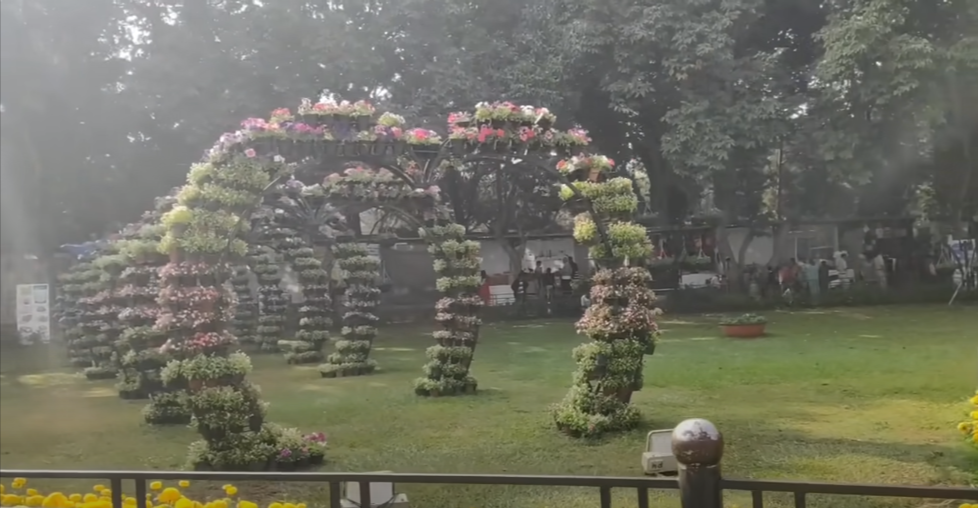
[(969, 427), (159, 496)]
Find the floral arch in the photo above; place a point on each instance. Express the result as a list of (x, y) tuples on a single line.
[(398, 169)]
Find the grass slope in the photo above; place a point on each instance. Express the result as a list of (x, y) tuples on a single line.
[(854, 395)]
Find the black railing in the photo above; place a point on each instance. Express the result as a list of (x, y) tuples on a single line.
[(697, 445)]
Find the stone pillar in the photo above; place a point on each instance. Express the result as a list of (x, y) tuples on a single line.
[(698, 448)]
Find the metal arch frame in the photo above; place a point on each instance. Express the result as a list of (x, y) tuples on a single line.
[(428, 167)]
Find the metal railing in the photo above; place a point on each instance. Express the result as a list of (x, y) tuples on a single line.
[(697, 445)]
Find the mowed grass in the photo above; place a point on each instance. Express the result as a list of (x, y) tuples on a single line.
[(855, 395)]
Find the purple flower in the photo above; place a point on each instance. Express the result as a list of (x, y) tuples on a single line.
[(285, 453)]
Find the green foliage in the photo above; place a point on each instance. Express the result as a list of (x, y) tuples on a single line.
[(744, 319)]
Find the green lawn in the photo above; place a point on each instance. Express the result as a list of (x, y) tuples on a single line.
[(856, 395)]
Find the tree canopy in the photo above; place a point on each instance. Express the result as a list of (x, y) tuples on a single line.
[(846, 106)]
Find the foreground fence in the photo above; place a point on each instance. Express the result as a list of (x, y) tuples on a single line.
[(697, 445)]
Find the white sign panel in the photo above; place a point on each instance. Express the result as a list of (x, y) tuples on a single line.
[(34, 313)]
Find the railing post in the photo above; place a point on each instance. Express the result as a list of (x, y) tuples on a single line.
[(698, 448)]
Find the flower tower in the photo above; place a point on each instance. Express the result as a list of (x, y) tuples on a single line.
[(245, 320), (201, 231), (314, 321), (141, 358), (273, 302), (103, 315), (360, 272), (73, 289), (621, 319), (457, 265)]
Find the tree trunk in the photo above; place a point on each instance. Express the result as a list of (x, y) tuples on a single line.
[(515, 250)]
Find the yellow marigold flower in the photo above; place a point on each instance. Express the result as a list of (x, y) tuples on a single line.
[(247, 504), (276, 505), (98, 487), (55, 500), (169, 495), (19, 483), (149, 504), (10, 499), (183, 502), (90, 498), (106, 492), (230, 490), (34, 500), (289, 505), (300, 505), (184, 484), (156, 485), (3, 489), (31, 492), (220, 503), (75, 498), (198, 504)]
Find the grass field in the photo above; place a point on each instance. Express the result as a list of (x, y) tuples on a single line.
[(853, 395)]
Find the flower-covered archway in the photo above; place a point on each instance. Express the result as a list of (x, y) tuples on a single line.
[(398, 169)]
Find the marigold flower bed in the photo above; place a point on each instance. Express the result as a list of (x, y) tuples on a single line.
[(18, 495)]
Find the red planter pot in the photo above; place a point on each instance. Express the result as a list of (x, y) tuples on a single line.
[(743, 331)]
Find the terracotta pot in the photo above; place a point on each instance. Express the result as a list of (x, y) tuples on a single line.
[(743, 331)]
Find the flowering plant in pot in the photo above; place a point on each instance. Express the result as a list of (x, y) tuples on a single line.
[(281, 115), (461, 138), (317, 114), (423, 142), (744, 326), (362, 113), (366, 142), (591, 167), (389, 120), (460, 119), (544, 118)]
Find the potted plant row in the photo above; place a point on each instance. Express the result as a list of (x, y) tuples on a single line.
[(745, 326)]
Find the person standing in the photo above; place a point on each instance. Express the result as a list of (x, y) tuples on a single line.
[(811, 273), (549, 282)]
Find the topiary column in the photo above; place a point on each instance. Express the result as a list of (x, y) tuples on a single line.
[(314, 318), (621, 319), (105, 306), (201, 231), (360, 272), (245, 322), (72, 291), (457, 264), (274, 303)]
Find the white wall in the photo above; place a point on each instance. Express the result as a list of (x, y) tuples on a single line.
[(760, 250), (551, 251)]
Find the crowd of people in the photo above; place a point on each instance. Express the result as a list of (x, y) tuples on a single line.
[(797, 277), (540, 282)]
